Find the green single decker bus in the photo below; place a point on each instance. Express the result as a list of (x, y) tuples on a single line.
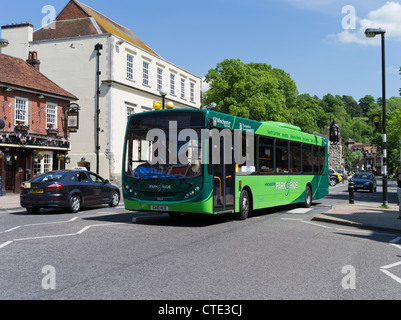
[(206, 162)]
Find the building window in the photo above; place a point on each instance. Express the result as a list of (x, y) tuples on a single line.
[(47, 162), (37, 166), (51, 114), (130, 67), (130, 110), (146, 73), (20, 110), (182, 88), (43, 165), (159, 78), (172, 83), (192, 92)]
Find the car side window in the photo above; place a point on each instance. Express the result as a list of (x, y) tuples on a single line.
[(80, 177), (95, 178)]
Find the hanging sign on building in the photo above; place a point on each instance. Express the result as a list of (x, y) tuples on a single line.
[(73, 117)]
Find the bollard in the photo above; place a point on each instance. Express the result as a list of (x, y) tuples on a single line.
[(351, 191)]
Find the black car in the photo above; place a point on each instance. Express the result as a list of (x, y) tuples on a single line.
[(364, 181), (69, 189)]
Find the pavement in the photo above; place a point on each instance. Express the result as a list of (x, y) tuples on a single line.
[(9, 202), (364, 215)]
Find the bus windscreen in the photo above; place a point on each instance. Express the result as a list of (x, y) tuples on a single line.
[(184, 119)]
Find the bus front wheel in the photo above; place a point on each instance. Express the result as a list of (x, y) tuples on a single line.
[(308, 197), (244, 205)]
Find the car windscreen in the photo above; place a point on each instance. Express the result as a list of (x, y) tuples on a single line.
[(362, 176), (50, 176)]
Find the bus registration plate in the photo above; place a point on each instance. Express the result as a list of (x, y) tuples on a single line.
[(159, 208)]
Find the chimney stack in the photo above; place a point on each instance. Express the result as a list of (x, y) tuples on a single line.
[(33, 59)]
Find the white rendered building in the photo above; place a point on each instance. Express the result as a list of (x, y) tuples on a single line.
[(130, 79)]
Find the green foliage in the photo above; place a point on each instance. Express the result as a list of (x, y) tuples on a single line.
[(259, 92), (254, 90)]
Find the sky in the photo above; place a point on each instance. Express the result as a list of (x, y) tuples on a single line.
[(319, 43)]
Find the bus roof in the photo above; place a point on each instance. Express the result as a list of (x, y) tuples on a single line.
[(267, 128), (274, 129)]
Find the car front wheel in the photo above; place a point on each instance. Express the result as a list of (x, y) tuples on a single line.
[(115, 199), (75, 204)]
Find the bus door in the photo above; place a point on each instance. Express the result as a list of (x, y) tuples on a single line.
[(223, 180)]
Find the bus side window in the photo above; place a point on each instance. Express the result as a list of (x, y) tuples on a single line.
[(295, 157), (316, 159), (281, 156), (307, 158), (322, 159), (265, 160)]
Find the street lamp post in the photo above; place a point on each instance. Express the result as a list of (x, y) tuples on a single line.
[(163, 93), (371, 33)]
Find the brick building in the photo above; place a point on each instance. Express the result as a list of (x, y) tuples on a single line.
[(35, 138)]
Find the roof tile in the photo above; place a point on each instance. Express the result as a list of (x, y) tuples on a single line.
[(77, 19), (17, 72)]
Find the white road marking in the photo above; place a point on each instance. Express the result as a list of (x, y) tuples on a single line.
[(391, 265), (44, 237), (384, 268), (391, 275), (395, 245), (60, 235), (5, 244), (395, 240), (12, 229), (83, 230), (46, 223), (300, 210), (354, 231), (315, 224)]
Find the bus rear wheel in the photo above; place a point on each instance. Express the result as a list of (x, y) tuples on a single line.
[(244, 205), (308, 197)]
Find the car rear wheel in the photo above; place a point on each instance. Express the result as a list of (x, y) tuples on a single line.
[(115, 199), (75, 204), (333, 182)]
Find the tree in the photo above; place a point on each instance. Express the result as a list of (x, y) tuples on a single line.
[(393, 139), (368, 104), (254, 91), (309, 115), (393, 103), (352, 107)]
